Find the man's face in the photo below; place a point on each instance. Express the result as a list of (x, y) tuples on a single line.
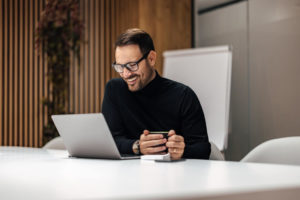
[(138, 79)]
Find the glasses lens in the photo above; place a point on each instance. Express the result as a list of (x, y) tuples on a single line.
[(132, 66), (118, 68)]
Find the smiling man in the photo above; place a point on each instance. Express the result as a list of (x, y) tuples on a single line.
[(142, 101)]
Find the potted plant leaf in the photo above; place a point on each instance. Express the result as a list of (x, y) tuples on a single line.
[(58, 34)]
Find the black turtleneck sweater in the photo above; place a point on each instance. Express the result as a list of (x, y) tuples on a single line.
[(162, 105)]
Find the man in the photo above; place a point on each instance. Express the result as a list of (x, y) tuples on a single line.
[(142, 101)]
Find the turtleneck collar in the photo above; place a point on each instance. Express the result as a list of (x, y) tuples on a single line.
[(152, 86)]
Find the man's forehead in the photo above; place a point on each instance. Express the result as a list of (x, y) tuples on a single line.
[(128, 53)]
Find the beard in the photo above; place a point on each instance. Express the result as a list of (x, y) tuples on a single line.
[(137, 82), (136, 85)]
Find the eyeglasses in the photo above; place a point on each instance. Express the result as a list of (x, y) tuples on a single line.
[(131, 66)]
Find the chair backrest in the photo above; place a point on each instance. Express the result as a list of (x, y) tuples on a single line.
[(55, 143), (215, 153), (277, 151), (208, 72)]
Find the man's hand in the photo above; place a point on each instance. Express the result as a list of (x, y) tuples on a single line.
[(176, 145), (149, 142)]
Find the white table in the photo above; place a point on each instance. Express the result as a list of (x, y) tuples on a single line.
[(27, 173)]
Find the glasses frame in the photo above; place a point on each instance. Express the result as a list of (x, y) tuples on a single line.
[(127, 65)]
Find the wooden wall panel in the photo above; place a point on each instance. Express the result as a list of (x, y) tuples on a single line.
[(20, 124), (97, 45), (1, 72), (23, 80), (10, 73), (21, 77), (45, 81), (25, 86), (85, 65), (36, 84), (5, 76), (102, 49), (41, 68), (94, 70), (169, 24), (16, 73), (31, 77), (127, 12)]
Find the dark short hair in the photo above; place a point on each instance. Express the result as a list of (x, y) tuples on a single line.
[(136, 36)]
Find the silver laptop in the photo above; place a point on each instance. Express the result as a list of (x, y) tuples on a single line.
[(88, 136)]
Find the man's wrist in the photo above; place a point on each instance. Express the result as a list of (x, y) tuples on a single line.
[(136, 147)]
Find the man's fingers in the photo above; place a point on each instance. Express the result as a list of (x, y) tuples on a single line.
[(154, 150), (149, 144), (151, 137), (176, 138), (175, 145), (146, 132), (176, 141), (152, 143), (175, 151), (179, 145), (171, 133)]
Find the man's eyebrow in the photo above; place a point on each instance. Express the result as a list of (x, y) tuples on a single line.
[(126, 63), (123, 64)]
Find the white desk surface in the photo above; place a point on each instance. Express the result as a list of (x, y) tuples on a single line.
[(27, 173)]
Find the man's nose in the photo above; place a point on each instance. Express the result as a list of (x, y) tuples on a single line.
[(126, 72)]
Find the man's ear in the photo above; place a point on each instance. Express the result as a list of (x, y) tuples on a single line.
[(152, 58)]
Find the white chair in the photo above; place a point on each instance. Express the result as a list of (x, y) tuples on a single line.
[(208, 72), (277, 151), (55, 143), (215, 153)]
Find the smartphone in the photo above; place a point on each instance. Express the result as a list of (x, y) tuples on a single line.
[(164, 133)]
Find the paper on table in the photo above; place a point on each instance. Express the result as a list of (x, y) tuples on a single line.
[(165, 157)]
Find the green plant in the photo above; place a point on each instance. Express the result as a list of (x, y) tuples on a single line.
[(59, 33)]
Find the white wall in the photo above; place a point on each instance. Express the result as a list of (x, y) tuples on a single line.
[(274, 69), (265, 35)]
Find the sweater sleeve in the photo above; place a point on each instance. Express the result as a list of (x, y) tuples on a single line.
[(193, 127), (112, 115)]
